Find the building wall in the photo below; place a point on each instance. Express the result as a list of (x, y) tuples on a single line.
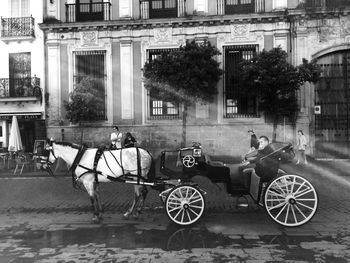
[(302, 37), (25, 107)]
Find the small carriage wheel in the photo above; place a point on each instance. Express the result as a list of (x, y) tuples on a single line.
[(184, 205), (291, 200), (188, 161)]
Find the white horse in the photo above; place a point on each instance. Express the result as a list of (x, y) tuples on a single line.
[(132, 164)]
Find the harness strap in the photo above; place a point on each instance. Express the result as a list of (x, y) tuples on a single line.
[(77, 158), (98, 154), (138, 165), (120, 164)]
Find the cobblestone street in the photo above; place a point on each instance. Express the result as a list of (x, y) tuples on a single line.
[(45, 220)]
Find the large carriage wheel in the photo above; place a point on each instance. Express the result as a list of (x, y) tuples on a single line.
[(184, 205), (291, 200)]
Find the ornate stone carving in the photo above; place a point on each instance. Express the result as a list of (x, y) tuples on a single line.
[(89, 38), (162, 34), (240, 31)]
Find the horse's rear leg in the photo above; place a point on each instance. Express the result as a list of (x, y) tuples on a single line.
[(98, 202), (137, 196), (144, 192)]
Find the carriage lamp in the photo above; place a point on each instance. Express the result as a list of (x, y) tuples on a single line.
[(197, 152)]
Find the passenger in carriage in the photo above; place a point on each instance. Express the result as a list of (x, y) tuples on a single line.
[(129, 141), (265, 168)]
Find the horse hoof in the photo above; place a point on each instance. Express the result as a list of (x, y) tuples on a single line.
[(96, 220)]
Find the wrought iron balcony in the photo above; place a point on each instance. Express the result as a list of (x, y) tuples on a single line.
[(150, 9), (16, 28), (331, 4), (20, 87), (81, 12), (230, 7)]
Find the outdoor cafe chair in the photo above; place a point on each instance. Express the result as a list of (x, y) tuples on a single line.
[(21, 161)]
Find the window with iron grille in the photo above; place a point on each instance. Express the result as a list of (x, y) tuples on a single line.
[(238, 102), (91, 64), (160, 109)]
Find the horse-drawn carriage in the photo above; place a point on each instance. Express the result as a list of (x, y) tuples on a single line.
[(289, 199)]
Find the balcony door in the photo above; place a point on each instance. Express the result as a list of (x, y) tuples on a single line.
[(163, 8), (19, 73), (20, 8), (89, 10)]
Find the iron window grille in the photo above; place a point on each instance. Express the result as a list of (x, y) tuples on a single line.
[(159, 109), (238, 102)]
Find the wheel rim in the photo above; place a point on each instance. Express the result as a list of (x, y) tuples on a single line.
[(185, 205), (291, 200)]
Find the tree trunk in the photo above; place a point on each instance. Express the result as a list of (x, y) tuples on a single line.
[(274, 132), (81, 133), (184, 122)]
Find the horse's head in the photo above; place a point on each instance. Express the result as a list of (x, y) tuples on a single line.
[(51, 157)]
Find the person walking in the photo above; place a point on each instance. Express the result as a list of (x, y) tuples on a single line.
[(302, 144), (116, 138)]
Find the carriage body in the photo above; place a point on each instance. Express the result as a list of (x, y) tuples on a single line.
[(280, 193)]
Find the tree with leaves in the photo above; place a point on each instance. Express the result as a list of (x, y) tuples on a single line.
[(275, 82), (85, 104), (186, 75)]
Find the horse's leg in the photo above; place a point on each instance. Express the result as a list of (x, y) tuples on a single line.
[(98, 202), (137, 195), (144, 192), (89, 184)]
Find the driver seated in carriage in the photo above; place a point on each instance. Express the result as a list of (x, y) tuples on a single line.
[(266, 166)]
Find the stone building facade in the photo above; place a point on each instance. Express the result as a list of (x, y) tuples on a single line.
[(22, 90), (111, 40)]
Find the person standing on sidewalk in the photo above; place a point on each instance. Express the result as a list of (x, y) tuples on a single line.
[(116, 138), (302, 143), (254, 143)]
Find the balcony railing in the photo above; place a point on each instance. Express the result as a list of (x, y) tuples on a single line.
[(88, 12), (162, 8), (326, 3), (230, 7), (17, 27), (20, 87)]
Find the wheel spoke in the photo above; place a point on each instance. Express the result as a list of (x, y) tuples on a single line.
[(178, 213), (296, 192), (311, 208), (296, 206), (295, 218), (277, 206), (194, 201), (275, 194), (193, 211), (281, 210), (183, 215), (303, 193), (188, 215), (196, 206), (287, 214), (306, 199), (280, 188), (276, 199), (175, 208)]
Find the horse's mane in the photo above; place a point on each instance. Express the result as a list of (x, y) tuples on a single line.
[(73, 145)]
